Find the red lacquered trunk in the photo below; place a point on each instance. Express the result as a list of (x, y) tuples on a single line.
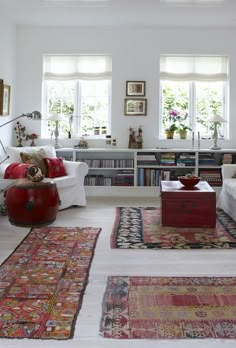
[(181, 207), (32, 203)]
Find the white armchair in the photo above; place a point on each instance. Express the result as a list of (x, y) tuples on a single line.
[(70, 187), (227, 197)]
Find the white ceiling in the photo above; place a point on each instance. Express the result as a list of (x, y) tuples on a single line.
[(121, 13)]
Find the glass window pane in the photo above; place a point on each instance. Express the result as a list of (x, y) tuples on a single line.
[(175, 97), (209, 101), (196, 86), (86, 104), (94, 105), (59, 99)]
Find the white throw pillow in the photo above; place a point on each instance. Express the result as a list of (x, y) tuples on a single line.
[(14, 152)]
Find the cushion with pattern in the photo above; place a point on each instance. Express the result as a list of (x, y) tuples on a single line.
[(35, 158), (55, 167), (16, 170)]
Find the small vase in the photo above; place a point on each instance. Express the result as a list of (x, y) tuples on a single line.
[(183, 134), (132, 142), (170, 134), (19, 143)]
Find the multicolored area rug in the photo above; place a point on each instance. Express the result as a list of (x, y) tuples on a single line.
[(140, 228), (43, 281), (169, 308)]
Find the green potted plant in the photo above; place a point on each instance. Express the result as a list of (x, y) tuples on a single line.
[(170, 131), (172, 120), (183, 130)]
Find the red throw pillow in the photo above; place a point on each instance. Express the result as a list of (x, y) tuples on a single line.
[(16, 170), (55, 167)]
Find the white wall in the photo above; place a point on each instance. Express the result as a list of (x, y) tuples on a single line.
[(135, 56), (8, 73)]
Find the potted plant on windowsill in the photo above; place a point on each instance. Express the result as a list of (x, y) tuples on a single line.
[(183, 130), (172, 121), (170, 131)]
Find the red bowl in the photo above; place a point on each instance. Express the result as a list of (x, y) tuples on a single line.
[(189, 182)]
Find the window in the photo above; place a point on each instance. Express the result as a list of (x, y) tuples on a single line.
[(194, 88), (79, 88)]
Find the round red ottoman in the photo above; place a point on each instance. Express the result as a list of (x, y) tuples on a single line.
[(32, 203)]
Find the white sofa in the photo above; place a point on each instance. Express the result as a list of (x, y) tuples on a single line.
[(70, 187), (227, 197)]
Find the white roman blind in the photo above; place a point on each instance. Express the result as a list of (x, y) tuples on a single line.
[(193, 68), (75, 67)]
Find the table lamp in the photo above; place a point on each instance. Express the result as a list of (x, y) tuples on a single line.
[(56, 118), (216, 119)]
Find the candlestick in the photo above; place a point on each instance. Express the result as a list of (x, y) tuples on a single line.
[(192, 140)]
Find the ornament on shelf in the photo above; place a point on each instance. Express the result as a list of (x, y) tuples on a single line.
[(32, 137), (135, 140), (20, 133)]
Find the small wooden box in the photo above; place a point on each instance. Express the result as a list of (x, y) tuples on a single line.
[(181, 207)]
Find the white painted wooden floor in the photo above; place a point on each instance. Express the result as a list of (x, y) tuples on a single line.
[(100, 212)]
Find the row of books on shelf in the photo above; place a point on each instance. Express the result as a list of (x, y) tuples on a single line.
[(227, 158), (207, 159), (152, 177), (148, 177), (213, 177), (183, 159), (147, 159), (97, 180), (186, 159), (167, 159), (109, 163), (122, 178)]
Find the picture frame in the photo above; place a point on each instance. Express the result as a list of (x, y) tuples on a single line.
[(135, 88), (1, 97), (6, 100), (135, 107)]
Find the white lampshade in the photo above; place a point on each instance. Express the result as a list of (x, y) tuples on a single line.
[(215, 118), (56, 117)]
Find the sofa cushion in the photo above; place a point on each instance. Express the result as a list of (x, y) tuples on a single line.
[(230, 187), (55, 167), (64, 182), (35, 158), (14, 152), (16, 170)]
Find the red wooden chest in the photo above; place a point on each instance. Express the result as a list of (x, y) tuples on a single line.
[(32, 203), (181, 207)]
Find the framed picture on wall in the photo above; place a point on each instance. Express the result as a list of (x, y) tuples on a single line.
[(1, 97), (135, 88), (6, 100), (135, 107)]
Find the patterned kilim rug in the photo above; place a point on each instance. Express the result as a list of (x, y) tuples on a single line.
[(140, 228), (169, 307), (43, 281)]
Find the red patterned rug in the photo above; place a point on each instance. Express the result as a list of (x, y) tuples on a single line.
[(140, 228), (169, 307), (43, 281)]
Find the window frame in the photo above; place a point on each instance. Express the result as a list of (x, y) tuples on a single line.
[(192, 95), (80, 67), (77, 110)]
